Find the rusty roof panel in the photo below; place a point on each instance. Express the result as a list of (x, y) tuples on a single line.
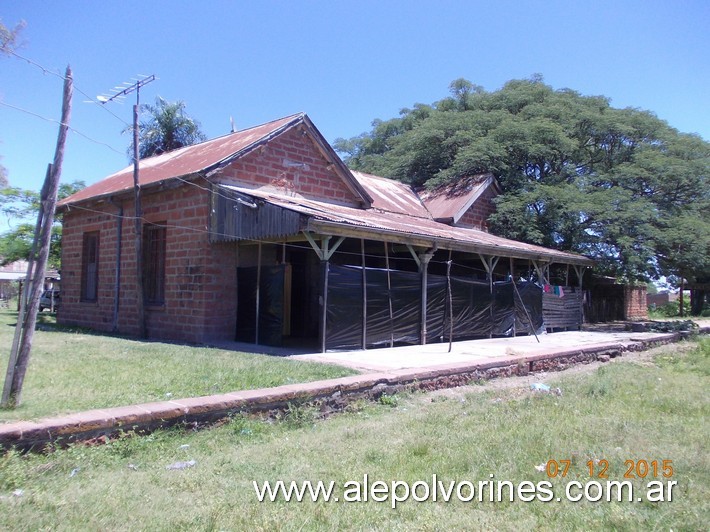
[(392, 196), (452, 201), (184, 161)]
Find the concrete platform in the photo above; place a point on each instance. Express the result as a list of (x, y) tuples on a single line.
[(477, 351), (386, 371)]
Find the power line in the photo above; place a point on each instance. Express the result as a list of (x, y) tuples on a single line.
[(5, 104), (61, 76), (288, 245)]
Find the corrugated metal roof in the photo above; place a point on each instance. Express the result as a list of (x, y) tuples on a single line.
[(185, 161), (380, 222), (392, 196), (452, 201)]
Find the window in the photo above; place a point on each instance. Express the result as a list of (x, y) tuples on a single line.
[(154, 264), (90, 266)]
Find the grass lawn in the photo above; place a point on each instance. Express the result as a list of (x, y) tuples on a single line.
[(651, 406), (72, 371)]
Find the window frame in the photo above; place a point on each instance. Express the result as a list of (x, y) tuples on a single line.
[(90, 247), (155, 236)]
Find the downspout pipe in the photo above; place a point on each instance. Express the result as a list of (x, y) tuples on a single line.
[(117, 281)]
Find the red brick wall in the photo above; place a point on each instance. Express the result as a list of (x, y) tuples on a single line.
[(658, 299), (200, 278), (265, 168), (635, 303), (97, 315), (476, 217)]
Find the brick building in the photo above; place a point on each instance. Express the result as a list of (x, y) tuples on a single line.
[(264, 235)]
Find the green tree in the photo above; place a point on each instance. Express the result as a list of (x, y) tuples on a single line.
[(8, 43), (167, 128), (620, 185), (9, 37), (20, 204), (3, 177)]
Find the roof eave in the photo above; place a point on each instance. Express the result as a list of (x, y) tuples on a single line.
[(344, 229), (329, 153), (128, 191)]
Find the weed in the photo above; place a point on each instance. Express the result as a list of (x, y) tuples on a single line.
[(388, 400), (245, 427), (13, 473), (300, 415), (357, 406)]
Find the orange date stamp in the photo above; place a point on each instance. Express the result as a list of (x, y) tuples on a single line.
[(632, 469)]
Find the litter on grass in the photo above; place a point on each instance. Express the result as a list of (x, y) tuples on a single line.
[(544, 388), (181, 465)]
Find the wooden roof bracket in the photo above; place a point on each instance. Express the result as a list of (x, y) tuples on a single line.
[(489, 263), (543, 272), (579, 270), (324, 251)]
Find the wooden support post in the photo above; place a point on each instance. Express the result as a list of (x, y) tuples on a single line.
[(579, 270), (258, 293), (489, 264), (324, 300), (22, 295), (138, 215), (389, 294), (512, 278), (540, 269), (364, 295), (450, 302), (19, 361), (424, 259)]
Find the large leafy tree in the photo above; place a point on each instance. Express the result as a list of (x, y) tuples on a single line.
[(167, 128), (20, 205), (577, 174)]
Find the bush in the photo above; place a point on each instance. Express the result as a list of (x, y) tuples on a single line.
[(670, 310)]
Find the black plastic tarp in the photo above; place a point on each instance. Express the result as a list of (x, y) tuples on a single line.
[(476, 312), (471, 302), (531, 295), (345, 307), (503, 308), (345, 302), (271, 304)]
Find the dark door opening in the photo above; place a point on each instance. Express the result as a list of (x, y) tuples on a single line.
[(260, 305), (305, 289)]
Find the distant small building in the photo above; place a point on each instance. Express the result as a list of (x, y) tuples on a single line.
[(657, 300), (608, 300)]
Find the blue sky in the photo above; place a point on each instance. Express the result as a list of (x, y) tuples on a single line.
[(345, 63)]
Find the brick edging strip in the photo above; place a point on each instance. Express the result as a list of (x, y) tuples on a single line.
[(332, 394)]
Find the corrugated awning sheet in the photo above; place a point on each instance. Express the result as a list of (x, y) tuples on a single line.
[(378, 221)]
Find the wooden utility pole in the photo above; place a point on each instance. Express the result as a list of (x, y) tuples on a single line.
[(138, 211), (27, 318), (140, 310)]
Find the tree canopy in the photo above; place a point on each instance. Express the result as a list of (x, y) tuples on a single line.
[(167, 128), (9, 37), (577, 174), (23, 205)]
